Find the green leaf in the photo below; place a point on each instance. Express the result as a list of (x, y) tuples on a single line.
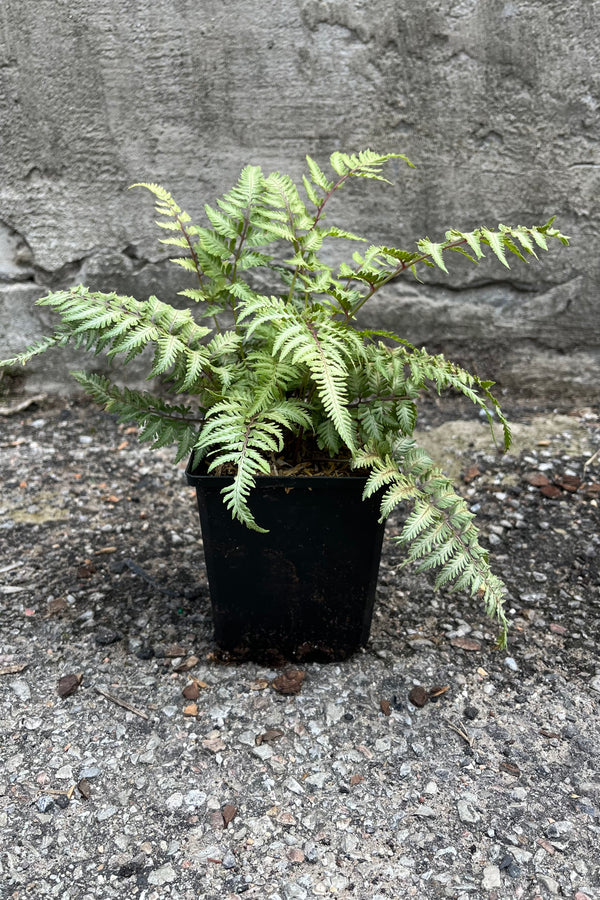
[(338, 163), (496, 243), (474, 242), (538, 237), (318, 177), (334, 231), (222, 223), (429, 248), (310, 192)]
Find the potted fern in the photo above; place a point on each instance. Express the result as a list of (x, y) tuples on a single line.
[(297, 422)]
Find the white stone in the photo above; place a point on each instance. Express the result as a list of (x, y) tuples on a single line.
[(292, 785), (549, 883), (33, 724), (164, 875), (263, 752), (317, 780), (491, 878), (466, 813), (294, 891), (107, 813), (521, 856), (333, 713), (175, 801), (21, 689), (194, 798), (425, 812)]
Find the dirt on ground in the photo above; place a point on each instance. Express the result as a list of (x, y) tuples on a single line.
[(134, 763)]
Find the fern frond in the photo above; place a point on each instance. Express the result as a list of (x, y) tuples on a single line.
[(161, 423), (249, 188), (421, 517), (318, 177), (272, 378), (223, 224), (165, 204), (281, 193), (428, 248), (234, 435), (123, 325), (328, 438), (439, 532), (365, 164), (310, 192), (58, 339), (334, 231)]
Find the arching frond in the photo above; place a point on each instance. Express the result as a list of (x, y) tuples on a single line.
[(284, 364)]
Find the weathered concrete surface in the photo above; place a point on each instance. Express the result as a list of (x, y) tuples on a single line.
[(447, 443), (496, 101)]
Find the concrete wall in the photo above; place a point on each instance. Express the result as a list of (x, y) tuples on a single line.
[(496, 101)]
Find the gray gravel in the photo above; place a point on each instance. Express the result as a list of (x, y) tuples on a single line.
[(348, 789)]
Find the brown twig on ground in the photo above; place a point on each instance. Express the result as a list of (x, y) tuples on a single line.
[(122, 703), (461, 731), (12, 669), (592, 459)]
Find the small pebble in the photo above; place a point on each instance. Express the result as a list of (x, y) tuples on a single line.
[(292, 785), (106, 636), (466, 813), (559, 829), (89, 772), (425, 812), (551, 885), (194, 798), (21, 690), (44, 803), (491, 878), (175, 801), (107, 813), (294, 891), (164, 875)]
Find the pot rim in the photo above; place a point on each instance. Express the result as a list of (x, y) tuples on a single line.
[(196, 477)]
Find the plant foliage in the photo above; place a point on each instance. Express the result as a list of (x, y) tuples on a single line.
[(268, 376)]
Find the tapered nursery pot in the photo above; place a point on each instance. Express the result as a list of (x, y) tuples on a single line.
[(304, 590)]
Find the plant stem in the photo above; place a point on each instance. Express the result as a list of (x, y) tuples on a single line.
[(400, 268), (197, 265)]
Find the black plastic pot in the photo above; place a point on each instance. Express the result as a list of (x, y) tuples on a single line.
[(306, 589)]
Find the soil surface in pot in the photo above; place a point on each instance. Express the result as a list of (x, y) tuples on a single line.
[(134, 763)]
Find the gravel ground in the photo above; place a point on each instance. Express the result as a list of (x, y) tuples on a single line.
[(430, 765)]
